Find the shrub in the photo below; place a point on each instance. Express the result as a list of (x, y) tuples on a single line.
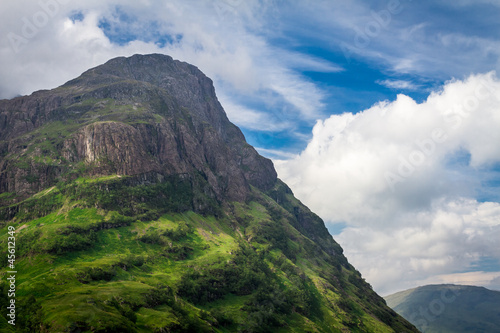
[(60, 244), (160, 295), (153, 238), (133, 260), (96, 274), (222, 317), (180, 232)]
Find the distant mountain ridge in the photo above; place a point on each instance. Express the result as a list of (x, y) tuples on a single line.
[(139, 207), (449, 308)]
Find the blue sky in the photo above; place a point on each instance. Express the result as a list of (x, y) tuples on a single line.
[(383, 116)]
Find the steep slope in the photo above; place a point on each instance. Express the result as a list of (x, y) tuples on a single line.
[(449, 308), (139, 207)]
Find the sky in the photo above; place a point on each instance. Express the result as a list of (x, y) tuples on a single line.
[(382, 116)]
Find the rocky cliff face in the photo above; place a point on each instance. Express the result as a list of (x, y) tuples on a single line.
[(129, 116)]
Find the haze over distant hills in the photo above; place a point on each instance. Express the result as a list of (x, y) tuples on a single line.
[(449, 308)]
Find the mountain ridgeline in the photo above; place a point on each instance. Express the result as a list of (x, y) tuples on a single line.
[(448, 308), (139, 207)]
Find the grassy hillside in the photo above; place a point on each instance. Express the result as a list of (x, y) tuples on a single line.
[(112, 254), (449, 308)]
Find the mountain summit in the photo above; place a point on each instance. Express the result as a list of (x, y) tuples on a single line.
[(139, 207)]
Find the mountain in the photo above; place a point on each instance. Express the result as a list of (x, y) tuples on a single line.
[(449, 308), (139, 207)]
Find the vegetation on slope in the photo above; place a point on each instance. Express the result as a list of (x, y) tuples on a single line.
[(111, 254)]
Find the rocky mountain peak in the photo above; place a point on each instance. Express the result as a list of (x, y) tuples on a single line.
[(138, 115), (185, 83)]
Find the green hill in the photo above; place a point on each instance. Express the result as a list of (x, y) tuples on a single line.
[(449, 308), (138, 207)]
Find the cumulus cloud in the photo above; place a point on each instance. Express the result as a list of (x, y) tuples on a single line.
[(402, 177)]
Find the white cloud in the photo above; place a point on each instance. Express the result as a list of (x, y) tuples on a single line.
[(399, 84), (308, 63), (426, 246), (275, 153), (252, 119), (402, 176)]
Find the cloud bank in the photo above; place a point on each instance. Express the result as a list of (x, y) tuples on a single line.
[(405, 179)]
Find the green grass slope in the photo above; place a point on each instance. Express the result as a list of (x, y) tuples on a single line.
[(111, 254), (449, 308)]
